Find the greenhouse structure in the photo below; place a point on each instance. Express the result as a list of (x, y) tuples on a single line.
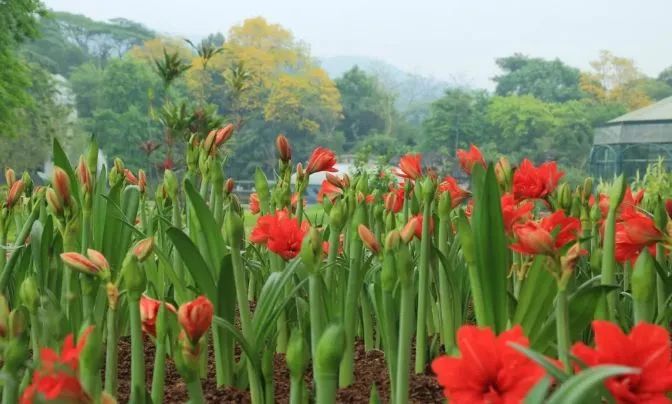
[(629, 143)]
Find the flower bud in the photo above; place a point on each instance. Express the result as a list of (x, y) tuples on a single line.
[(209, 142), (14, 193), (368, 238), (504, 173), (61, 183), (261, 186), (409, 230), (300, 174), (84, 176), (284, 149), (392, 240), (587, 189), (130, 177), (30, 296), (142, 181), (223, 134), (195, 318), (98, 259), (170, 183), (27, 183), (54, 202), (330, 350), (334, 180), (10, 177), (297, 355), (18, 322), (617, 193), (79, 263), (134, 277), (445, 206), (229, 185), (311, 249), (144, 248)]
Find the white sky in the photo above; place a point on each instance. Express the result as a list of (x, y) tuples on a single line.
[(453, 40)]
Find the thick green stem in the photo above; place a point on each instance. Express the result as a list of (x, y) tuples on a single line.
[(159, 372), (195, 390), (391, 343), (327, 386), (606, 307), (562, 328), (446, 297), (316, 312), (423, 291), (256, 389), (404, 351), (367, 322), (111, 356), (137, 349), (296, 390), (350, 312)]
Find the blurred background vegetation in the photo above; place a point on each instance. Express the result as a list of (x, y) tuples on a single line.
[(142, 94)]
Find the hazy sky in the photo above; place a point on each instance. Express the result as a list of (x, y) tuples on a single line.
[(454, 40)]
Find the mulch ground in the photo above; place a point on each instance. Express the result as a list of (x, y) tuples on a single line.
[(370, 368)]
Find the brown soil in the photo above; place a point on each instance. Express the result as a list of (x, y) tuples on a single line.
[(370, 368)]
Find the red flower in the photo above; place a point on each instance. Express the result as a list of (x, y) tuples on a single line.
[(488, 370), (330, 190), (410, 166), (457, 194), (646, 348), (58, 387), (468, 159), (149, 311), (530, 182), (418, 225), (15, 192), (546, 236), (254, 203), (394, 200), (514, 212), (280, 233), (167, 164), (195, 317), (322, 159), (633, 233), (628, 206)]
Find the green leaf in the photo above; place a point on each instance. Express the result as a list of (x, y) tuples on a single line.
[(244, 344), (226, 291), (535, 301), (580, 388), (542, 361), (61, 160), (490, 248), (98, 211), (194, 262), (538, 393), (214, 248)]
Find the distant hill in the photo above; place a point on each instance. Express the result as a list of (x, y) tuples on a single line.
[(413, 90)]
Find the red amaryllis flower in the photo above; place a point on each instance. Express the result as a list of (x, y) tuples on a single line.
[(546, 236), (530, 182), (59, 387), (418, 226), (280, 233), (468, 159), (394, 200), (254, 203), (628, 206), (633, 233), (195, 317), (322, 159), (149, 311), (457, 194), (130, 177), (514, 212), (80, 263), (369, 199), (488, 370), (646, 348), (410, 166), (329, 190)]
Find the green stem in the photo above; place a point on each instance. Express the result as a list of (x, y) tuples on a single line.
[(256, 389), (195, 389), (137, 349), (297, 387), (562, 328), (159, 373), (316, 316), (350, 311), (327, 386), (446, 298), (111, 356), (423, 292), (606, 307), (18, 242), (391, 341), (367, 322), (10, 390), (404, 351)]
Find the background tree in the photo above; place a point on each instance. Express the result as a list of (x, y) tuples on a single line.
[(18, 22), (547, 80)]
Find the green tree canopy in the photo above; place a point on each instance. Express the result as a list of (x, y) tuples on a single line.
[(547, 80)]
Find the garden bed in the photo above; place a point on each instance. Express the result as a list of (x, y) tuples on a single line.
[(370, 368)]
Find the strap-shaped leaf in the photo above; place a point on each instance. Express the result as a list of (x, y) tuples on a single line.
[(194, 262), (535, 302), (61, 160), (208, 225), (580, 388)]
